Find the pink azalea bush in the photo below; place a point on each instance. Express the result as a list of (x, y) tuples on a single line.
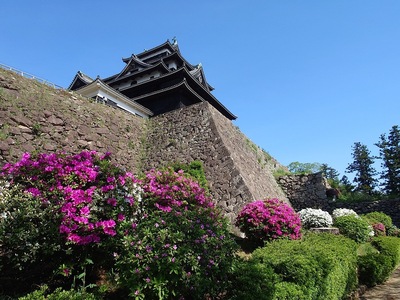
[(66, 210), (180, 248), (83, 189), (162, 235), (379, 229), (270, 219)]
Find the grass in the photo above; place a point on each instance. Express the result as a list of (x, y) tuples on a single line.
[(281, 172), (4, 132)]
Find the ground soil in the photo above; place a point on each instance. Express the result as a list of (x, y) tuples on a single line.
[(390, 290)]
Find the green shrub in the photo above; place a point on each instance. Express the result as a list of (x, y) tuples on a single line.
[(353, 227), (194, 169), (393, 231), (323, 266), (288, 290), (379, 217), (356, 197), (374, 269), (388, 246), (366, 248), (58, 294), (252, 280), (296, 266), (28, 232), (337, 256)]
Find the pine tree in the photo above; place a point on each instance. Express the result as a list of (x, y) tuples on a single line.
[(331, 175), (345, 185), (389, 149), (329, 172), (362, 165)]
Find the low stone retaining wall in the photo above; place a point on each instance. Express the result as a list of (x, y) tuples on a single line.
[(309, 191), (305, 191), (390, 207)]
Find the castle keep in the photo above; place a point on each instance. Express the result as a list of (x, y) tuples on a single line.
[(151, 83)]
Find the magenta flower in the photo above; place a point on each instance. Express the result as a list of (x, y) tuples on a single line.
[(34, 191), (66, 272), (75, 185), (269, 219), (112, 201)]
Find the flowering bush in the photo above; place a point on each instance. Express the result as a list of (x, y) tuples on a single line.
[(379, 229), (28, 232), (269, 219), (83, 190), (339, 212), (67, 207), (179, 246), (379, 217), (314, 218), (162, 235)]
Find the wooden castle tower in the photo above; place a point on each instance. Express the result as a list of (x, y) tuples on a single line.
[(151, 83)]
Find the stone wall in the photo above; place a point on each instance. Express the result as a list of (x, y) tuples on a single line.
[(390, 207), (233, 169), (38, 118), (305, 191)]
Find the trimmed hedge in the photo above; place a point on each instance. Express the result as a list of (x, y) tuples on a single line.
[(375, 268), (388, 246), (289, 290), (252, 280), (322, 266), (379, 217), (353, 227)]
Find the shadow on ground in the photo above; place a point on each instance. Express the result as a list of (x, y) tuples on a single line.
[(390, 290)]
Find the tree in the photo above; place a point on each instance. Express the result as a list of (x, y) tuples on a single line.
[(345, 185), (329, 172), (362, 165), (389, 149), (331, 175), (304, 168)]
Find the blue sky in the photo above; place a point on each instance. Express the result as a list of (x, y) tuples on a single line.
[(306, 78)]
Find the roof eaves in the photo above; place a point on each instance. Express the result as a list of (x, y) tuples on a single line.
[(157, 66), (147, 52), (211, 95), (80, 75), (171, 88), (99, 83)]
